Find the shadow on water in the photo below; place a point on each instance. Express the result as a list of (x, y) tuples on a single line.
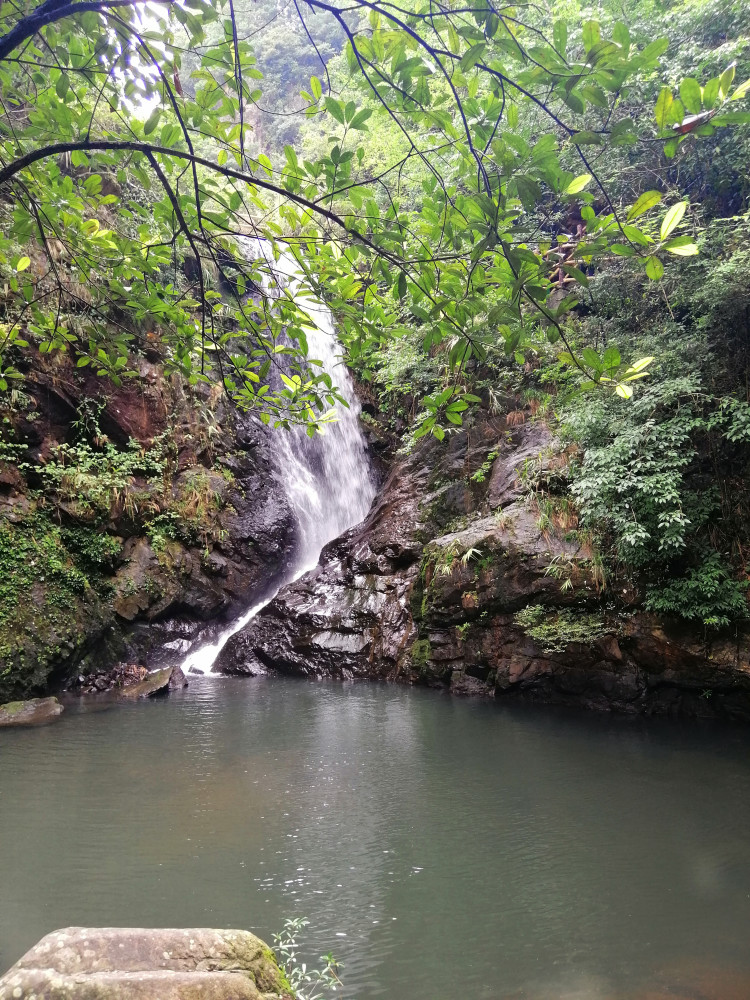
[(439, 847)]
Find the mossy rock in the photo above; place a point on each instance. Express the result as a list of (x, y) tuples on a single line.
[(35, 712), (156, 683), (120, 963)]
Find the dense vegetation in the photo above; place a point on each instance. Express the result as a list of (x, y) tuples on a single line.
[(505, 208)]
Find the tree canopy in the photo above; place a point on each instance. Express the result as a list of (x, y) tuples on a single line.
[(459, 184)]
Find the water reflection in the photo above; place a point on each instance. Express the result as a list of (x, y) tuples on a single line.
[(438, 846)]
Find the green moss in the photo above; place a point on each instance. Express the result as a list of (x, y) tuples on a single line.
[(281, 983), (421, 653), (12, 707), (46, 602)]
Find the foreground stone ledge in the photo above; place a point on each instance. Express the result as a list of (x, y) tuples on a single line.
[(120, 963)]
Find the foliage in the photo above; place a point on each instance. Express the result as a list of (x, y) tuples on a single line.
[(131, 187), (92, 549), (484, 469), (307, 984), (661, 483), (94, 482), (555, 631)]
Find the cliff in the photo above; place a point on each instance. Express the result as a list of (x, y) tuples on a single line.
[(459, 579), (131, 518)]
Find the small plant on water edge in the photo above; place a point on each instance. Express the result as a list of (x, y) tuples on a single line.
[(308, 984)]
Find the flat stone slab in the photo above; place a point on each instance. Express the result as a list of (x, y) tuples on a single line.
[(34, 712), (120, 963)]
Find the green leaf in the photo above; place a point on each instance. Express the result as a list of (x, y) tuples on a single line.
[(472, 56), (586, 139), (725, 80), (591, 34), (592, 359), (741, 91), (560, 36), (663, 107), (316, 87), (638, 366), (62, 86), (732, 118), (672, 219), (335, 109), (621, 35), (711, 93), (23, 263), (152, 121), (692, 95), (611, 359), (683, 250), (654, 49), (646, 201), (358, 121), (576, 273), (578, 184), (654, 268), (528, 190)]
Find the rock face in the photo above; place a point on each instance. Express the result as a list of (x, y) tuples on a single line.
[(456, 580), (164, 555), (119, 963), (35, 712)]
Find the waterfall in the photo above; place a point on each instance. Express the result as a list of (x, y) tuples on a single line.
[(326, 478)]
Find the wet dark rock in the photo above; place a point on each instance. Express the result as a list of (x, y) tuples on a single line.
[(120, 676), (131, 681), (121, 963), (160, 593), (177, 679), (427, 591), (529, 443), (34, 712)]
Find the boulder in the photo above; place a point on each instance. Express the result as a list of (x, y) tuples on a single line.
[(120, 963), (35, 712), (177, 679), (156, 683)]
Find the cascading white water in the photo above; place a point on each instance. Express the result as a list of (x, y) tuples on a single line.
[(326, 478)]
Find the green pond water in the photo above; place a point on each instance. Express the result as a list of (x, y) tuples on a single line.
[(441, 848)]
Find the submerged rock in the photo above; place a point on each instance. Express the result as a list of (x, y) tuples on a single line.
[(121, 963), (35, 712)]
